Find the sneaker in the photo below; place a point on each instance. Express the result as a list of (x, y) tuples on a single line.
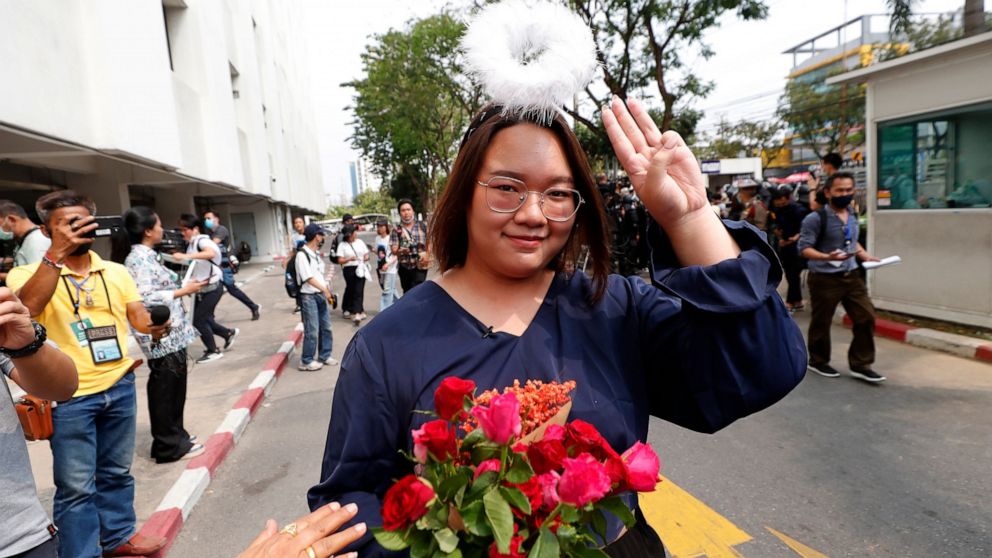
[(347, 314), (229, 341), (192, 439), (356, 319), (255, 315), (194, 451), (209, 356), (867, 374), (296, 310), (824, 370), (313, 366), (332, 361)]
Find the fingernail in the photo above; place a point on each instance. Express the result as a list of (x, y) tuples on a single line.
[(334, 506), (352, 508), (360, 528)]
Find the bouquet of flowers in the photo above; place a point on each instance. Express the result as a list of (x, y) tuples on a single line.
[(519, 482)]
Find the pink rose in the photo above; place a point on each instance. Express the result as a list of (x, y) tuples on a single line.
[(435, 438), (584, 480), (642, 466), (486, 466), (549, 489), (500, 421), (554, 433)]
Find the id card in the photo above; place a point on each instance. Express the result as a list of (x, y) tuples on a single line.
[(79, 330), (103, 344)]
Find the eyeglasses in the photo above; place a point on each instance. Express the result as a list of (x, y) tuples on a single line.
[(506, 195)]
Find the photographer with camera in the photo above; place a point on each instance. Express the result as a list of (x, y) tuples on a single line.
[(162, 294), (87, 304), (409, 243)]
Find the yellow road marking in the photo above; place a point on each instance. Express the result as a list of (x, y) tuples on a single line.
[(688, 527), (798, 547)]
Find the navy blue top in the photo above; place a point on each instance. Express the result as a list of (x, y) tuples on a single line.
[(691, 349)]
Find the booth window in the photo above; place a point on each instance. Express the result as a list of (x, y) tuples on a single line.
[(936, 161)]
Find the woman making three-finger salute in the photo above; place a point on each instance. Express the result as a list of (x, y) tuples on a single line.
[(520, 202)]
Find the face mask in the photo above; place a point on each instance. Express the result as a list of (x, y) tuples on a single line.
[(320, 244), (840, 202), (209, 223), (6, 235)]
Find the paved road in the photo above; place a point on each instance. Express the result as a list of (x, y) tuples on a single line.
[(840, 467)]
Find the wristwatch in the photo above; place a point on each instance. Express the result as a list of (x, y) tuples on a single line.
[(40, 335)]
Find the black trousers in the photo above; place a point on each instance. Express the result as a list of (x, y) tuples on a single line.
[(203, 318), (641, 542), (410, 277), (792, 265), (47, 549), (354, 291), (166, 401), (231, 285)]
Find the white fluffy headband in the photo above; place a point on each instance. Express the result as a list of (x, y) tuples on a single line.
[(530, 57)]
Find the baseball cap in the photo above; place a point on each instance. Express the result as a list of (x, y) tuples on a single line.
[(312, 230)]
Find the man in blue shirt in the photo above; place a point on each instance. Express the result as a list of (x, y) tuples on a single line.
[(829, 241)]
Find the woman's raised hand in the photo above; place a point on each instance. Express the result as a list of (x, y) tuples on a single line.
[(668, 181), (662, 170)]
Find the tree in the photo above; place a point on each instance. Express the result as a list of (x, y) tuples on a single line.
[(743, 139), (369, 201), (414, 103), (822, 115), (975, 20), (647, 42)]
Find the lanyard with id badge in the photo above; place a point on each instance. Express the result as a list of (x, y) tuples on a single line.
[(101, 340)]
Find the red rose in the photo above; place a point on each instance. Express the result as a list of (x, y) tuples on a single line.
[(617, 471), (642, 466), (546, 455), (532, 490), (449, 397), (500, 421), (405, 502), (582, 437), (486, 466), (515, 551), (584, 480), (436, 438)]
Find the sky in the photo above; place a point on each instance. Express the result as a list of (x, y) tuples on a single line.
[(748, 66)]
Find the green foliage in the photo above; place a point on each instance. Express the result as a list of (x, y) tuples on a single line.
[(500, 519), (546, 545), (390, 540), (413, 104), (742, 139), (369, 201), (822, 115)]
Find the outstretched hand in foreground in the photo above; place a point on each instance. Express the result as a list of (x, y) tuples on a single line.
[(316, 531)]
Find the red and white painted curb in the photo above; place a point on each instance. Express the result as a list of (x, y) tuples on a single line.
[(961, 345), (186, 491)]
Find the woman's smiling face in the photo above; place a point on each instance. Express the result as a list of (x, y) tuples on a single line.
[(519, 244)]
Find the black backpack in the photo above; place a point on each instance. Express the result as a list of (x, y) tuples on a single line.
[(292, 281)]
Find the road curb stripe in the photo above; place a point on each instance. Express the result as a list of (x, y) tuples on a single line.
[(926, 338), (175, 507)]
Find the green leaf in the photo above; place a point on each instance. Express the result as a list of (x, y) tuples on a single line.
[(390, 540), (546, 545), (520, 472), (599, 524), (566, 533), (617, 507), (582, 551), (423, 546), (516, 498), (483, 483), (451, 485), (474, 516), (447, 540), (568, 514), (500, 519), (472, 438), (482, 452)]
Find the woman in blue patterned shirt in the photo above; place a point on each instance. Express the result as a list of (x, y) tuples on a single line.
[(167, 361)]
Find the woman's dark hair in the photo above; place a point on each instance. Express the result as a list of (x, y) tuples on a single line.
[(137, 220), (449, 225), (190, 221), (347, 231)]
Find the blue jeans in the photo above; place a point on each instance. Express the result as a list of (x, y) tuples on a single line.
[(93, 446), (316, 327), (388, 291)]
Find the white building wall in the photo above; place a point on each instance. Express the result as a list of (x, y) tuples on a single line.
[(97, 74)]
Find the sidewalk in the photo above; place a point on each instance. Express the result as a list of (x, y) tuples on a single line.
[(213, 388)]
